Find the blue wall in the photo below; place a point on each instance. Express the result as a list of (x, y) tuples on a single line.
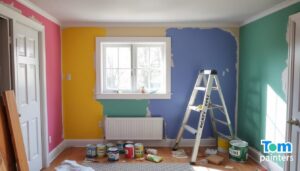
[(193, 50)]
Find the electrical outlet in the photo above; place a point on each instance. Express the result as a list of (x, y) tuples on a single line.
[(100, 124), (68, 77), (50, 140)]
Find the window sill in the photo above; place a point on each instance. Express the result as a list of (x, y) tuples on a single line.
[(133, 96)]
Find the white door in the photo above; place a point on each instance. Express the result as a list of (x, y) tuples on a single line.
[(295, 94), (28, 91)]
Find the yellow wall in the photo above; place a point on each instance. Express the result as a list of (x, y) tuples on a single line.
[(81, 111)]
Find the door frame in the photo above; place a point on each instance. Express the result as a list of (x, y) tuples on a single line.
[(291, 61), (17, 17)]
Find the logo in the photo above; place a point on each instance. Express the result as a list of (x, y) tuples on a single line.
[(270, 147), (276, 151)]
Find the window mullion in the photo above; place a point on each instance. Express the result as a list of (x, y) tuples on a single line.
[(134, 66)]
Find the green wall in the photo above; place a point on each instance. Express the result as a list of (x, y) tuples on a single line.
[(126, 108), (263, 55)]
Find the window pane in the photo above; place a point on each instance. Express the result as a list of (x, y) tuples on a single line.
[(111, 57), (124, 57), (142, 57), (155, 80), (155, 57), (125, 79), (142, 79), (111, 79)]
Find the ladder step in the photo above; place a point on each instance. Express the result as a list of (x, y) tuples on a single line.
[(190, 129), (199, 107), (195, 108), (223, 136), (204, 88), (215, 106), (222, 122)]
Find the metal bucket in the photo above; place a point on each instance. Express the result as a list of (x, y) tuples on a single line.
[(238, 151)]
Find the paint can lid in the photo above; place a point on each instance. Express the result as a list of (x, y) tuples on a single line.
[(239, 143), (138, 144), (112, 149), (129, 145), (110, 145), (100, 145)]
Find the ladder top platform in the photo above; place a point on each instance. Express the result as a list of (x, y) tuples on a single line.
[(211, 72)]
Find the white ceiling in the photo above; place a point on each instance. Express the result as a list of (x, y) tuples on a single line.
[(79, 12)]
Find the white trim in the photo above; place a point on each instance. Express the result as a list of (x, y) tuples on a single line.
[(269, 165), (56, 151), (207, 142), (195, 24), (40, 11), (17, 17), (131, 40), (43, 94), (291, 61), (269, 11)]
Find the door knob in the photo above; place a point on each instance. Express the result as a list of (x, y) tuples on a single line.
[(295, 122)]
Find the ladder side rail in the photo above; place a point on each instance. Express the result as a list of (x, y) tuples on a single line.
[(187, 112), (201, 123), (211, 111), (212, 118), (224, 105)]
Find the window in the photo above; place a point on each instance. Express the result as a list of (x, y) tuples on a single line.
[(133, 68)]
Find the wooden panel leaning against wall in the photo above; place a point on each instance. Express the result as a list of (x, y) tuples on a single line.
[(6, 149)]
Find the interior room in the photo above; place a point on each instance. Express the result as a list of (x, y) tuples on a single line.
[(149, 85)]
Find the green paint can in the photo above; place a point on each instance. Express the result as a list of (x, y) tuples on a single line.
[(238, 151)]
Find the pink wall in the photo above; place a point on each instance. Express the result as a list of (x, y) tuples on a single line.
[(53, 64)]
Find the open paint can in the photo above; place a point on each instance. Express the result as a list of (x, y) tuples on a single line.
[(113, 154), (238, 150)]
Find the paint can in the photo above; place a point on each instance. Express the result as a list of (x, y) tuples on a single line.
[(129, 151), (91, 151), (101, 150), (129, 142), (223, 144), (151, 151), (120, 145), (138, 150), (113, 154), (238, 151)]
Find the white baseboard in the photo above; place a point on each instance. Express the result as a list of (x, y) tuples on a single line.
[(56, 151), (150, 143), (269, 165)]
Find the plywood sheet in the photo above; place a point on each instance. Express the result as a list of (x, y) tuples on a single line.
[(15, 130), (6, 148)]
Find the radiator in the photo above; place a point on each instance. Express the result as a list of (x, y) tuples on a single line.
[(133, 128)]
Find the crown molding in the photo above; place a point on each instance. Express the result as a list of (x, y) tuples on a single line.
[(269, 11), (37, 9), (195, 24)]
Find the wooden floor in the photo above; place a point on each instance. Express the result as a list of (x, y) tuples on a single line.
[(78, 154)]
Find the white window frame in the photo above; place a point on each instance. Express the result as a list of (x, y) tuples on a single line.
[(118, 40)]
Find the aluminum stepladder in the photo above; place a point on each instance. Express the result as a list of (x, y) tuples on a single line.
[(207, 81)]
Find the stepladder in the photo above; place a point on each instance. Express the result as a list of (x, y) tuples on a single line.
[(207, 82)]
